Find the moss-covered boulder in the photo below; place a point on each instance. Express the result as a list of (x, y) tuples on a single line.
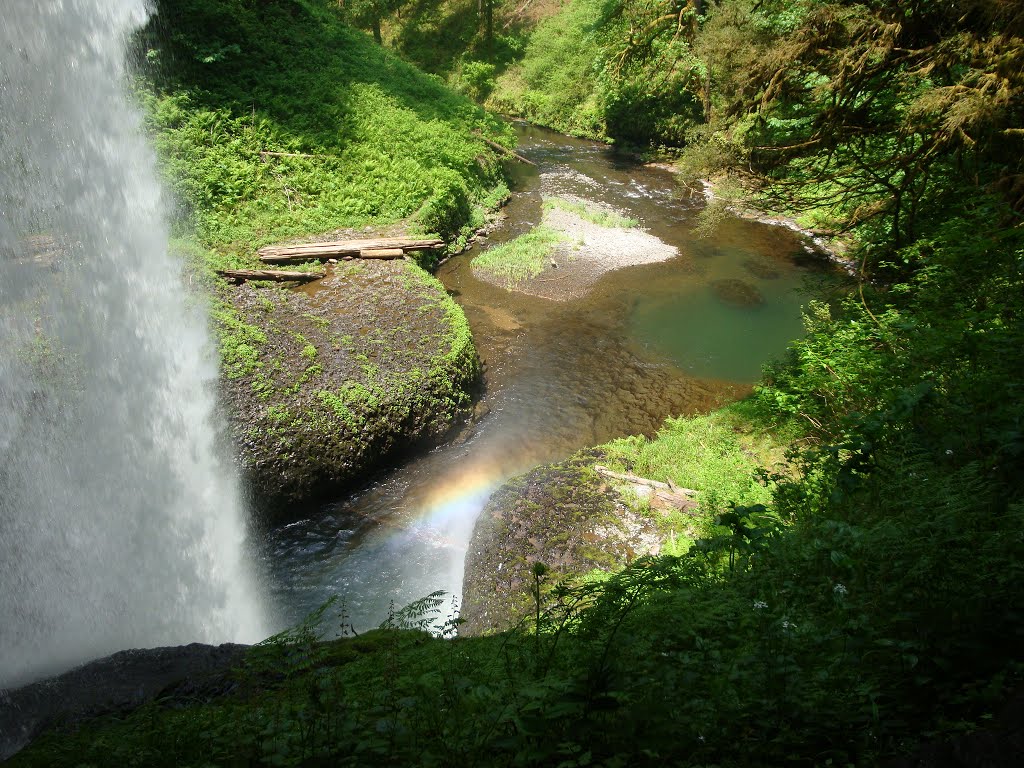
[(563, 515), (327, 383)]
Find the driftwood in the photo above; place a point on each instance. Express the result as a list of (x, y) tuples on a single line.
[(630, 478), (287, 254), (663, 495), (277, 275), (382, 253), (506, 151)]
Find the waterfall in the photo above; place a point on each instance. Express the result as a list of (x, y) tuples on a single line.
[(120, 522)]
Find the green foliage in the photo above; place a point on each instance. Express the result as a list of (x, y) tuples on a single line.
[(619, 70), (866, 596), (474, 78), (721, 455), (522, 258), (366, 138), (555, 84), (593, 214)]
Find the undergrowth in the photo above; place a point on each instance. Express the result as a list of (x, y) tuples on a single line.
[(362, 138)]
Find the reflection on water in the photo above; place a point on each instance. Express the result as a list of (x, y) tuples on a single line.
[(648, 342)]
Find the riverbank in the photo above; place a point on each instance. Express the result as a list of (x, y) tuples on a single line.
[(596, 513), (323, 385), (721, 195)]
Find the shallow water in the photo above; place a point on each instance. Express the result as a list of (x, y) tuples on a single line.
[(647, 342)]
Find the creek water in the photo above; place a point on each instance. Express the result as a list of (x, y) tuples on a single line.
[(647, 342), (120, 524)]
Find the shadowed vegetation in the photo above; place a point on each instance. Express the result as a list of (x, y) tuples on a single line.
[(842, 604)]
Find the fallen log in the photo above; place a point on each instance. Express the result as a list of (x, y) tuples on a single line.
[(277, 275), (382, 253), (286, 254), (670, 488), (506, 151), (665, 500)]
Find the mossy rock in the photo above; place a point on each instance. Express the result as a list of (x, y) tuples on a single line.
[(563, 515), (328, 383)]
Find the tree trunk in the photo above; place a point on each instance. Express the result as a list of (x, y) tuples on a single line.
[(489, 24)]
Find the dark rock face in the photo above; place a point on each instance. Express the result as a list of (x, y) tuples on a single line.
[(327, 383), (116, 684), (739, 293), (563, 515)]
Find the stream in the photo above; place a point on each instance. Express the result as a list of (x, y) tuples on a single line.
[(676, 337)]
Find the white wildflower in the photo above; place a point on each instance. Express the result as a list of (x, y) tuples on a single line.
[(786, 624), (949, 451), (840, 590), (760, 605)]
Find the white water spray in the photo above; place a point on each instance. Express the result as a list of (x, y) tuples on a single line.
[(120, 525)]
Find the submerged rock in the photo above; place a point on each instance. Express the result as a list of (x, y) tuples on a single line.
[(326, 383), (762, 269), (737, 292)]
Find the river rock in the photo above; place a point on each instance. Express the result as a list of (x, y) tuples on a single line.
[(113, 685), (563, 515), (326, 383), (737, 292)]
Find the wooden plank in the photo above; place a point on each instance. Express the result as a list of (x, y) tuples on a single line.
[(284, 254), (382, 253), (265, 155), (277, 275)]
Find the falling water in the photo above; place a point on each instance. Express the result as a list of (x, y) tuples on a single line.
[(120, 524)]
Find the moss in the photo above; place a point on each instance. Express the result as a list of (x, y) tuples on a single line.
[(240, 342), (377, 361), (574, 520), (563, 515)]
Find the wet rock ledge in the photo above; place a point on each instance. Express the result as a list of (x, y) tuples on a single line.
[(326, 383)]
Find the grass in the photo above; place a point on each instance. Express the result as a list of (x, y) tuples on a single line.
[(362, 141), (593, 214), (522, 258), (724, 455)]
